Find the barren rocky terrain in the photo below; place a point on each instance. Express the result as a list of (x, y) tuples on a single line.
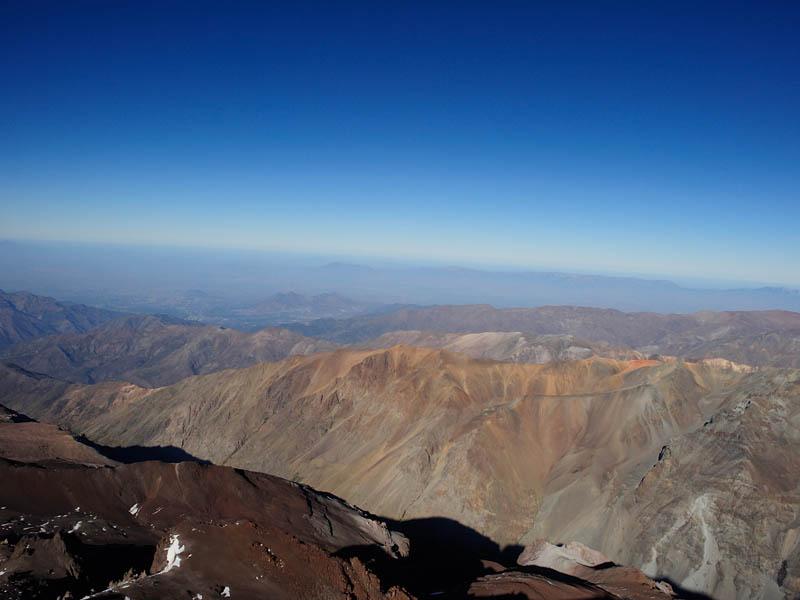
[(76, 524), (614, 454)]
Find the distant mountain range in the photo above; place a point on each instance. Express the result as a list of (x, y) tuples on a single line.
[(25, 316), (155, 350), (750, 337), (506, 346), (458, 285)]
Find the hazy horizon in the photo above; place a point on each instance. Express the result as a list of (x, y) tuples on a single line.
[(400, 262), (584, 138), (202, 282)]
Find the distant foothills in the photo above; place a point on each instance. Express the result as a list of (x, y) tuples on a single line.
[(84, 344)]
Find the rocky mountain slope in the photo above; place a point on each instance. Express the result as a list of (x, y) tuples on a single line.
[(73, 524), (751, 337), (727, 489), (155, 350), (25, 316), (155, 530), (564, 451)]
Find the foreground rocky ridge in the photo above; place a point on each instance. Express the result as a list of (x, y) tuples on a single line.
[(564, 451), (71, 525), (24, 440), (158, 530)]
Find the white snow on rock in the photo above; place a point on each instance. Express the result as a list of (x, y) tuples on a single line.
[(134, 510), (173, 553), (76, 527), (226, 592)]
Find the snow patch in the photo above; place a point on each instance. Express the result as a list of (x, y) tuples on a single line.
[(226, 592), (134, 510), (76, 527), (173, 553)]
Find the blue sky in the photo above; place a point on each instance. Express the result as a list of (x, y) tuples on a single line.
[(650, 138)]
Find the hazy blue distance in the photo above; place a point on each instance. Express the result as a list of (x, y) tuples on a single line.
[(627, 137), (191, 282)]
